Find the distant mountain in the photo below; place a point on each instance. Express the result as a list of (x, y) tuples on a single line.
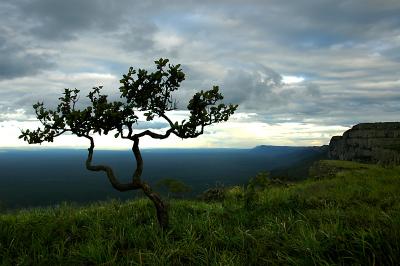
[(281, 150)]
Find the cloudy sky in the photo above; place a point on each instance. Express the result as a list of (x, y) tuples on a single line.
[(301, 71)]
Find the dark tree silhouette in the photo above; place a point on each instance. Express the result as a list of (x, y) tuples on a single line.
[(141, 91)]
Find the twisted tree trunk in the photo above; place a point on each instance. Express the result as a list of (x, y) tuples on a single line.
[(161, 207), (136, 183)]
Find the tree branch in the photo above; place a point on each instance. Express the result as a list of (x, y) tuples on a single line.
[(139, 162), (108, 170), (168, 120), (153, 134)]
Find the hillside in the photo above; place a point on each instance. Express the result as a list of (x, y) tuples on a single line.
[(298, 159), (350, 217)]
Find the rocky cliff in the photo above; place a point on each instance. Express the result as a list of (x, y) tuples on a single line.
[(368, 143)]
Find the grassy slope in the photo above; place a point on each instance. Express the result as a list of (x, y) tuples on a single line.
[(353, 218)]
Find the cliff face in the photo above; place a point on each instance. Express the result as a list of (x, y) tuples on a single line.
[(368, 143)]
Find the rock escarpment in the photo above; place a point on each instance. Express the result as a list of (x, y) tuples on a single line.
[(368, 143)]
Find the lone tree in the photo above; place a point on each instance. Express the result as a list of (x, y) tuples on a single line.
[(141, 92)]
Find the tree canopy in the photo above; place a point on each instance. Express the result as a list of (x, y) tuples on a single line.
[(141, 91)]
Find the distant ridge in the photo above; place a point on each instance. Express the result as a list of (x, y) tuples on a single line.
[(278, 147), (278, 150), (298, 159)]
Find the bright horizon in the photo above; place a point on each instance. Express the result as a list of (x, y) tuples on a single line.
[(301, 72), (215, 137)]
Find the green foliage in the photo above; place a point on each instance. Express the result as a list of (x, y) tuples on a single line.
[(259, 182), (213, 194), (151, 92), (101, 117), (174, 186), (235, 193), (142, 91), (203, 112), (350, 219)]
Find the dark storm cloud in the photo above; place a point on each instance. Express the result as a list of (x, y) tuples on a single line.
[(19, 56), (137, 37), (253, 88), (302, 23), (309, 24), (59, 20), (337, 109), (393, 53), (18, 61)]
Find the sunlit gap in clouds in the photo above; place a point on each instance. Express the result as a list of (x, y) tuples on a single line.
[(292, 79)]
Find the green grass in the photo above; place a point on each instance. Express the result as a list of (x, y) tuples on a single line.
[(353, 218)]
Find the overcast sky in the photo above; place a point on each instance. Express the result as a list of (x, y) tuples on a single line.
[(301, 71)]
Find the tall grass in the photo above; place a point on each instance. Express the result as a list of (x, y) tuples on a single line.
[(353, 218)]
